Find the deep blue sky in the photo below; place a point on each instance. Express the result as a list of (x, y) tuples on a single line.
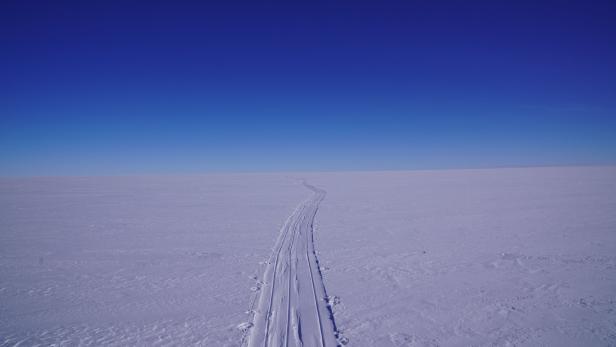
[(93, 87)]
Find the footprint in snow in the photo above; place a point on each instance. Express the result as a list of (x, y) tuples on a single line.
[(244, 326), (332, 300)]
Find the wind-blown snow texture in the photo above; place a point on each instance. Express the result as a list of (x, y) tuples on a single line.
[(458, 257)]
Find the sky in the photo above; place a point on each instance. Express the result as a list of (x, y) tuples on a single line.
[(114, 88)]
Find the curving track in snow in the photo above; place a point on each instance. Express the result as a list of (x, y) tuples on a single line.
[(292, 309)]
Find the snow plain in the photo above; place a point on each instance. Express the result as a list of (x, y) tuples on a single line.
[(452, 258)]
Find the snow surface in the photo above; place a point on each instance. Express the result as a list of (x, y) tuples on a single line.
[(126, 261), (455, 257)]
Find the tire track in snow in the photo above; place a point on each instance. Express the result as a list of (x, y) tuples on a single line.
[(292, 308)]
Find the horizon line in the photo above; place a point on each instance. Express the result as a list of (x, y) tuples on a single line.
[(266, 172)]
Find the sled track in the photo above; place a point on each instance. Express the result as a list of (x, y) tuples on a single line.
[(291, 305)]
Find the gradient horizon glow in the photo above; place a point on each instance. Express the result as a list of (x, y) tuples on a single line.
[(134, 88)]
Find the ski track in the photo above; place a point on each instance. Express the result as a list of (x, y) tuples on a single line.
[(292, 308)]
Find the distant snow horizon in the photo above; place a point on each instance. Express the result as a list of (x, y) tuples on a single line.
[(316, 171)]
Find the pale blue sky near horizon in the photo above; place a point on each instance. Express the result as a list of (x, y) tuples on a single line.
[(123, 88)]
